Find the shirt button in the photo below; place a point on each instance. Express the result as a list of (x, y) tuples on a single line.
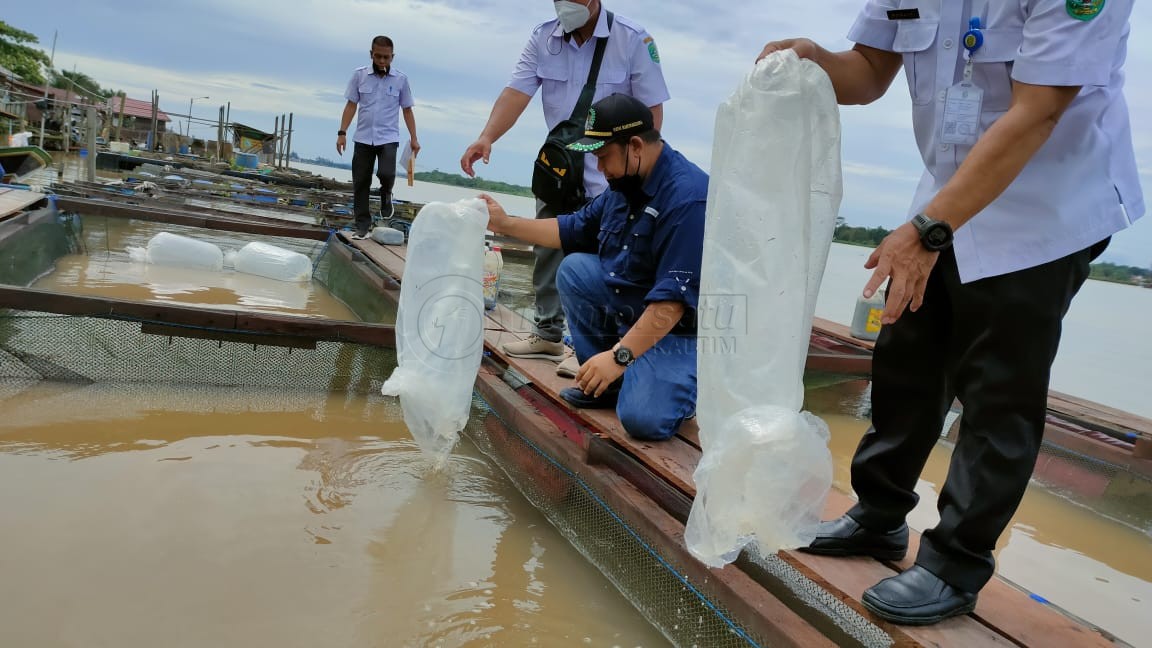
[(947, 43), (617, 291), (625, 247), (631, 218), (943, 95), (611, 274)]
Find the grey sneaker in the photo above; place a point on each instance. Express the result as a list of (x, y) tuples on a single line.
[(569, 365), (359, 236), (535, 347)]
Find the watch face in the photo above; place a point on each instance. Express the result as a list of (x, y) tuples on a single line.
[(938, 236), (623, 356)]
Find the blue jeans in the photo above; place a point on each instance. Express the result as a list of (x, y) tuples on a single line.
[(659, 389)]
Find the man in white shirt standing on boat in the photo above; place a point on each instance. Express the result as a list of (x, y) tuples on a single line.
[(1019, 113), (376, 94), (557, 60)]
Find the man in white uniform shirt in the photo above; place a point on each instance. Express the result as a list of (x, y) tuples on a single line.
[(557, 60), (376, 94), (1019, 113)]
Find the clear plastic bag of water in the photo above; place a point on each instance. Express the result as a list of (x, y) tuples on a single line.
[(273, 262), (440, 323), (774, 191), (179, 251)]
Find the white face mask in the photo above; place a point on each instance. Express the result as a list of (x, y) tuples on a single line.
[(572, 15)]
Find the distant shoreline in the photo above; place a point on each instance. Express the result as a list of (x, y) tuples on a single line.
[(439, 177)]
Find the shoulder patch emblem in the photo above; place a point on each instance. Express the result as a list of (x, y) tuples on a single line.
[(1084, 9), (655, 53)]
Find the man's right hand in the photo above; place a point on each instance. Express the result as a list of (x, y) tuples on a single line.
[(804, 48), (481, 148), (497, 217), (341, 144)]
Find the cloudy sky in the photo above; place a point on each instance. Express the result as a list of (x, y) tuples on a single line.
[(269, 58)]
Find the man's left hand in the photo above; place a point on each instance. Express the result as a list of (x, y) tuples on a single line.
[(902, 257), (415, 146), (596, 375)]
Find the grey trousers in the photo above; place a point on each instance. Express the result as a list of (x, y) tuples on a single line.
[(549, 312)]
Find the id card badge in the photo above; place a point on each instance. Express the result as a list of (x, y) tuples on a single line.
[(962, 104)]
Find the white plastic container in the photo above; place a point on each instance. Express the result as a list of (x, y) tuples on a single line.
[(264, 260), (493, 267), (174, 250), (387, 236), (866, 318)]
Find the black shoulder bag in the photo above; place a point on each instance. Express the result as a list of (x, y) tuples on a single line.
[(558, 175)]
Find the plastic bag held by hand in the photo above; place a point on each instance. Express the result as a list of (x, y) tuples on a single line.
[(772, 200), (440, 323)]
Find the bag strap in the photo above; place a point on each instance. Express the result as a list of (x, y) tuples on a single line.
[(585, 102)]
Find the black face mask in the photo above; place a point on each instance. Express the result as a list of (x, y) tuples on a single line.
[(631, 185)]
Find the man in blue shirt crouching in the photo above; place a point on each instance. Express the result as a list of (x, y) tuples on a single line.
[(630, 278)]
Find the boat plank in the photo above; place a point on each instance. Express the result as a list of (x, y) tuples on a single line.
[(758, 610), (13, 201)]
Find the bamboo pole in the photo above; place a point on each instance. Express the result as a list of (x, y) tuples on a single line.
[(155, 116), (220, 135), (91, 132), (120, 124), (288, 154)]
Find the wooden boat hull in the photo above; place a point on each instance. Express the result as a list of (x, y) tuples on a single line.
[(19, 161)]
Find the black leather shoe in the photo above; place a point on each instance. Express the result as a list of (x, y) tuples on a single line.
[(845, 537), (917, 597), (576, 397)]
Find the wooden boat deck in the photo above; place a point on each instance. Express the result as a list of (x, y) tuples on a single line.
[(661, 473), (14, 201)]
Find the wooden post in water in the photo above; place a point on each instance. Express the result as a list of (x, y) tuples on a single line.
[(91, 133), (275, 142), (68, 116), (288, 153), (155, 115), (120, 124), (220, 135)]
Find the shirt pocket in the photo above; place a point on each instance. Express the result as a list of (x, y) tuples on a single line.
[(612, 78), (992, 67), (914, 39), (368, 94), (553, 86), (637, 246)]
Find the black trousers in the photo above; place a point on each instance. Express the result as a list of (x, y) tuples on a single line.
[(364, 158), (990, 343)]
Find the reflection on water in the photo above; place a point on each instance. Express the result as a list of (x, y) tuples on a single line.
[(1095, 567), (106, 270), (194, 516)]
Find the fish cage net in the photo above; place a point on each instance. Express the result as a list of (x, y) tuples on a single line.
[(653, 581), (84, 349)]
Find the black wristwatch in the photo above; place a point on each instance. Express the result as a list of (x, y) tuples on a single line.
[(341, 133), (934, 235), (623, 356)]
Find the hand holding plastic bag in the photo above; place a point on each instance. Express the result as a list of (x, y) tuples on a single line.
[(773, 195), (440, 324)]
